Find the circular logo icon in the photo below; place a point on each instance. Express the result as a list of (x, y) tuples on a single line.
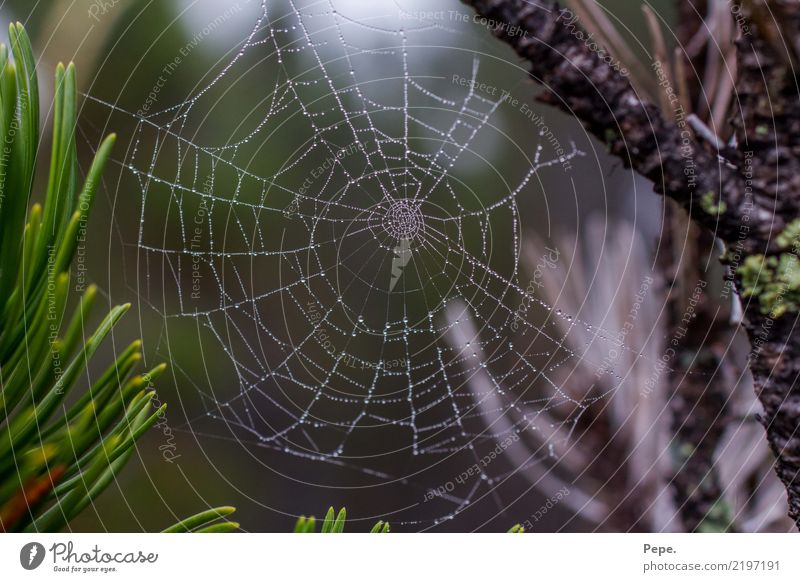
[(31, 555)]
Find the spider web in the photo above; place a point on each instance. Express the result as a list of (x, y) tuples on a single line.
[(335, 251)]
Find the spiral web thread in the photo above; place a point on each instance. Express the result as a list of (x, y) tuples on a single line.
[(337, 295)]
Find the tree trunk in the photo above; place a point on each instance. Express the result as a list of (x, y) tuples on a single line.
[(747, 195)]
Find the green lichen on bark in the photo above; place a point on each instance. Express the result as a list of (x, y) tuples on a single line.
[(711, 205), (773, 281), (790, 236)]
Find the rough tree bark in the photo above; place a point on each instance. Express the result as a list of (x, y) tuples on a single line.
[(748, 195), (702, 373)]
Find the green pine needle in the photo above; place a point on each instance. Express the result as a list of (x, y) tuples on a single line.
[(57, 458), (333, 523), (202, 521)]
